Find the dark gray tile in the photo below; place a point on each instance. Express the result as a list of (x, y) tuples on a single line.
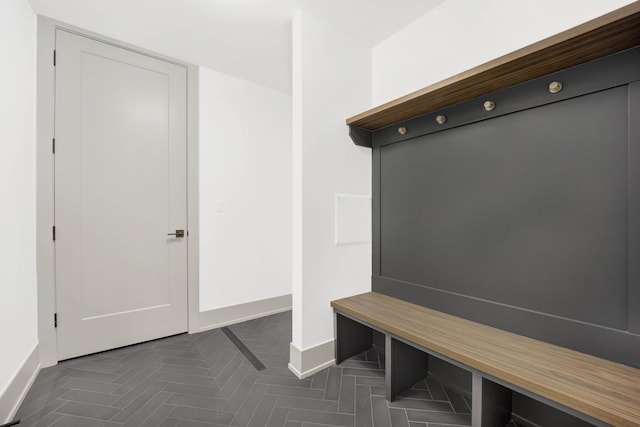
[(380, 412), (96, 386), (457, 401), (330, 418), (188, 423), (90, 397), (370, 381), (439, 417), (48, 419), (156, 417), (363, 372), (169, 422), (304, 403), (278, 417), (347, 402), (293, 381), (398, 417), (174, 377), (187, 370), (197, 401), (75, 421), (283, 390), (416, 394), (246, 411), (146, 410), (35, 405), (41, 412), (436, 390), (142, 375), (97, 367), (140, 400), (88, 410), (423, 405), (264, 410), (202, 415), (230, 379), (91, 375), (241, 392), (364, 415), (378, 391), (191, 389), (319, 380), (332, 391)]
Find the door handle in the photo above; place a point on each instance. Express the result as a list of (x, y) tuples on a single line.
[(178, 233)]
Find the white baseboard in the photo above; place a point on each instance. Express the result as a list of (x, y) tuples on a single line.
[(19, 386), (304, 363), (225, 316)]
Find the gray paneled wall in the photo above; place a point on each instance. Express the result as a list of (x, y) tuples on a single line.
[(527, 219)]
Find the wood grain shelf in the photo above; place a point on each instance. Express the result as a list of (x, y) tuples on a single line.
[(608, 34), (604, 390)]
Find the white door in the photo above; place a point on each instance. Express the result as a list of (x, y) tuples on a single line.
[(120, 188)]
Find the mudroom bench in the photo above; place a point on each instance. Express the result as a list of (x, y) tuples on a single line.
[(595, 390)]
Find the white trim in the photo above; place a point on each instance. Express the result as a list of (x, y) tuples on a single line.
[(14, 394), (45, 191), (225, 316), (193, 198), (304, 363)]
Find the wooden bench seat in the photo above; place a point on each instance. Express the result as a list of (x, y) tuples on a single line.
[(597, 390)]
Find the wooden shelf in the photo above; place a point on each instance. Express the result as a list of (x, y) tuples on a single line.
[(608, 34)]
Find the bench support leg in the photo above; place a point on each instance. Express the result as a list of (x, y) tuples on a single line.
[(491, 403), (351, 338), (404, 366)]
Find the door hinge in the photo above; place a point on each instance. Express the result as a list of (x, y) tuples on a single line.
[(53, 146), (55, 320), (54, 233), (54, 57)]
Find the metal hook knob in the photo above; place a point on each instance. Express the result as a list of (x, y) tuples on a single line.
[(555, 87)]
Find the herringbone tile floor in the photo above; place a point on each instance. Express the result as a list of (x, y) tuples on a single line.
[(204, 380)]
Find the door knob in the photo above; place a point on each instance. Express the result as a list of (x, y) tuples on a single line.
[(178, 233)]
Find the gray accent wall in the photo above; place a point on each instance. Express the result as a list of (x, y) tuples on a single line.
[(526, 218)]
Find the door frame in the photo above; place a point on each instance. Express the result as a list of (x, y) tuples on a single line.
[(45, 114)]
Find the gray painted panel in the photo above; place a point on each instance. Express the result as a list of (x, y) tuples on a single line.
[(526, 408), (451, 376), (351, 338), (405, 365), (524, 209), (634, 208), (375, 212), (611, 344), (496, 404)]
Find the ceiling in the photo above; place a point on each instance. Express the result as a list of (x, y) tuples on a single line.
[(250, 39)]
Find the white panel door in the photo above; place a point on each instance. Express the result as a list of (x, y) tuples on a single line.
[(120, 188)]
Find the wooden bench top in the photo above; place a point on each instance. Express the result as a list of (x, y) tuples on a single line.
[(605, 390)]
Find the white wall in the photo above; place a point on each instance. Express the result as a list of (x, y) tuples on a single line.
[(18, 306), (245, 197), (331, 81), (461, 34)]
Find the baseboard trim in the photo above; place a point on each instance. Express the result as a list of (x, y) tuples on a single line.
[(14, 394), (304, 363), (226, 316)]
